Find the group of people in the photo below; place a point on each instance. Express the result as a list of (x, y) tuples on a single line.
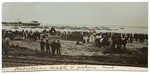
[(108, 39), (51, 48), (46, 47), (75, 35), (30, 35), (113, 40)]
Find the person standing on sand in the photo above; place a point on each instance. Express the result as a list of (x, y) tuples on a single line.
[(141, 38), (47, 47), (42, 44), (58, 45), (53, 46), (110, 41), (130, 39), (6, 45)]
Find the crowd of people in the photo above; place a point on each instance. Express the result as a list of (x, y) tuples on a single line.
[(31, 35), (118, 40), (55, 47), (112, 40), (46, 47), (75, 35)]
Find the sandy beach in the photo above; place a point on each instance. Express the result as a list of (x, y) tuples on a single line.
[(70, 47), (70, 51), (31, 49)]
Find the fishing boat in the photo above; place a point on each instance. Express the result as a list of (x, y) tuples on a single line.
[(121, 28)]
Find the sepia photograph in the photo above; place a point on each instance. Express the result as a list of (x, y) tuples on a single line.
[(74, 36)]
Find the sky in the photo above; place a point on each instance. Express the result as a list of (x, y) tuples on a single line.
[(79, 13)]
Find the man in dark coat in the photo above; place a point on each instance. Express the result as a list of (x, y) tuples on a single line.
[(6, 45), (42, 44), (58, 45), (47, 47), (141, 38), (53, 46)]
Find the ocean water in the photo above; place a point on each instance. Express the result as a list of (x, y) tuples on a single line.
[(125, 30)]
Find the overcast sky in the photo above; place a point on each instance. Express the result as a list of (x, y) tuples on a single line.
[(133, 14)]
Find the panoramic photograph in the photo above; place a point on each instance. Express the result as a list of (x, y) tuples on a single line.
[(74, 33)]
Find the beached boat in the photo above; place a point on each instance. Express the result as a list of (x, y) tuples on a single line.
[(121, 28)]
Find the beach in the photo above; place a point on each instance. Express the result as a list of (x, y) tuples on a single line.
[(69, 49)]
